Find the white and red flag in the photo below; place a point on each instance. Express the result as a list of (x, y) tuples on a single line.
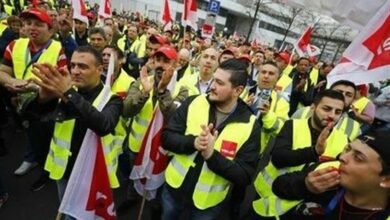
[(88, 194), (80, 11), (105, 9), (303, 46), (190, 16), (367, 59), (166, 16), (151, 161)]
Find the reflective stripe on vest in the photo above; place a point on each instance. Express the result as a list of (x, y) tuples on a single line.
[(59, 152), (21, 56), (120, 87), (350, 127), (276, 105), (361, 104), (302, 113), (140, 124), (210, 189), (263, 182), (284, 86)]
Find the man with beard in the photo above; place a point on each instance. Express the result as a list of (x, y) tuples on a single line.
[(214, 141), (145, 95), (300, 142), (346, 124)]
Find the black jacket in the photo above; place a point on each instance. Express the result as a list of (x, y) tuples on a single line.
[(79, 107), (303, 97), (239, 171), (283, 154), (292, 186)]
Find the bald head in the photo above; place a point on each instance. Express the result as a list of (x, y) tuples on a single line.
[(184, 57)]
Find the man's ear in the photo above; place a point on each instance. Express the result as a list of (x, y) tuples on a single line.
[(385, 182), (312, 107), (238, 90)]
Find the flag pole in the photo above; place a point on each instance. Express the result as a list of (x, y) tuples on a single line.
[(141, 210), (59, 216)]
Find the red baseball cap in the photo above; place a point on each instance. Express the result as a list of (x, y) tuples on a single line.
[(158, 38), (39, 14), (245, 57), (228, 51), (167, 51), (284, 56)]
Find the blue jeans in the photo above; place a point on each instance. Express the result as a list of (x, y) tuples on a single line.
[(61, 186), (172, 208)]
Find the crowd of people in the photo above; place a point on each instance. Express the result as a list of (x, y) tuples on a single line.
[(237, 115)]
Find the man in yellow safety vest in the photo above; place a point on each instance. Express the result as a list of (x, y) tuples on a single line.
[(215, 141)]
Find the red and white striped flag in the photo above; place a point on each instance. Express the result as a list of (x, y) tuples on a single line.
[(367, 59), (80, 11), (105, 9), (166, 16), (190, 16), (88, 194)]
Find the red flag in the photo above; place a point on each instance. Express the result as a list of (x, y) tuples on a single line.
[(190, 16), (151, 161), (100, 199), (303, 42), (166, 16), (254, 43), (35, 3), (88, 195), (367, 59), (105, 9)]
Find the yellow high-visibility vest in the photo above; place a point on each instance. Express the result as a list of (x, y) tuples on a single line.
[(361, 104), (21, 56), (269, 205), (210, 189), (274, 120), (140, 124), (121, 87), (60, 146), (350, 127)]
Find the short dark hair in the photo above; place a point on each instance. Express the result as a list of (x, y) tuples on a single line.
[(118, 51), (272, 63), (344, 83), (238, 70), (328, 93), (303, 58), (97, 30), (88, 49)]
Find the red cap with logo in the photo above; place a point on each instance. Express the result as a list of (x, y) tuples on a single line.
[(167, 51), (39, 14)]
